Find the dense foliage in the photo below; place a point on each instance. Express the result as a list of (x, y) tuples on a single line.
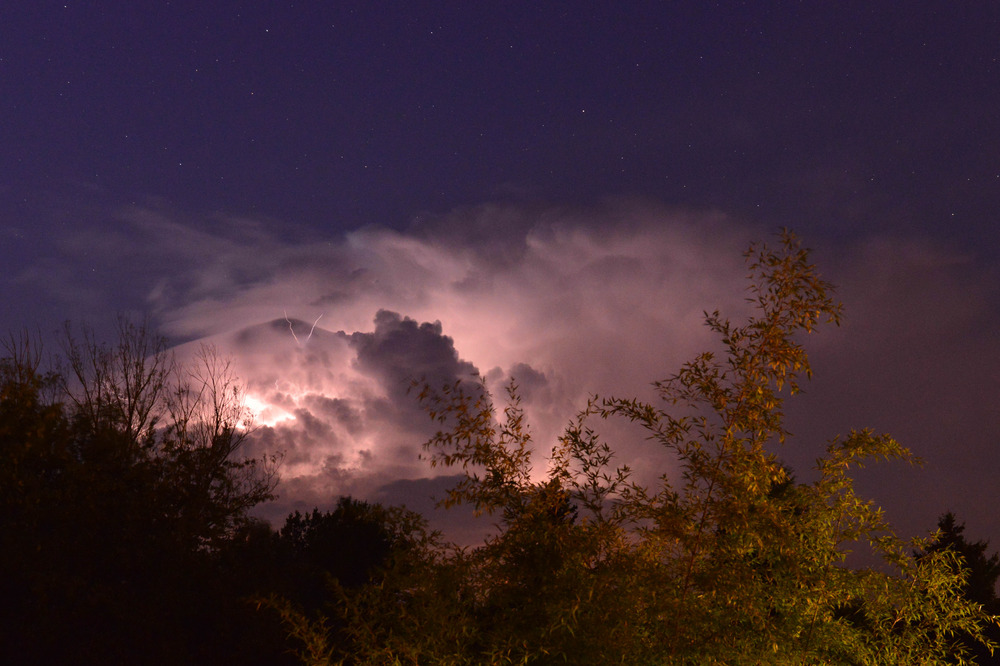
[(982, 572), (724, 559), (121, 481), (125, 532)]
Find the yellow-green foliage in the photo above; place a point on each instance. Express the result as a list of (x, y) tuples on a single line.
[(725, 560)]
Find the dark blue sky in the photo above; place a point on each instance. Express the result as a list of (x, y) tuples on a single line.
[(208, 161), (835, 117)]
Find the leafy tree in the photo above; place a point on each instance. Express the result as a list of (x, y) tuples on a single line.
[(321, 540), (122, 479), (184, 427), (319, 552), (981, 574), (983, 571), (724, 559), (342, 567)]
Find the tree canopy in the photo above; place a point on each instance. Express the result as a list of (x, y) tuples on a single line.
[(726, 558), (980, 582)]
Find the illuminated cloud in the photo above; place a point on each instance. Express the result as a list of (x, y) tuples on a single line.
[(567, 302)]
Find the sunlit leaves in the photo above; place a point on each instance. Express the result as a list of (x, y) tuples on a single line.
[(723, 558)]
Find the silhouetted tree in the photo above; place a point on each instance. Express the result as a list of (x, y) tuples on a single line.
[(351, 543), (338, 567), (122, 479), (981, 574)]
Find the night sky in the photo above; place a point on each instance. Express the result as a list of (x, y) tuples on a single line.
[(549, 192)]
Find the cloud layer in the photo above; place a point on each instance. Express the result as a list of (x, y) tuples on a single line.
[(329, 333)]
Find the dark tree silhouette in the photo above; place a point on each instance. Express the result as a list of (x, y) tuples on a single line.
[(331, 562), (349, 544), (982, 572), (121, 480)]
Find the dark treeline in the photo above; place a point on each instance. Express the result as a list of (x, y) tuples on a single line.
[(127, 538)]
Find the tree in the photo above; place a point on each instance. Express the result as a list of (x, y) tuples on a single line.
[(319, 540), (122, 478), (343, 568), (983, 571), (136, 409), (724, 559), (981, 574)]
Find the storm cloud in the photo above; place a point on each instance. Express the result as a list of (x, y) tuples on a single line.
[(329, 333)]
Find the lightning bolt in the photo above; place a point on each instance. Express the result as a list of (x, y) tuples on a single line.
[(313, 327), (292, 328)]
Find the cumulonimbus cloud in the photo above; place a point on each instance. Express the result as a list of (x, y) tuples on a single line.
[(568, 302)]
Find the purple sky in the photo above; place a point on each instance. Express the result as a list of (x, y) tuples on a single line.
[(545, 193)]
